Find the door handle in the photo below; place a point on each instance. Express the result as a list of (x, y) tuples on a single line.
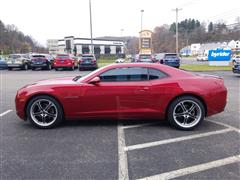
[(143, 89)]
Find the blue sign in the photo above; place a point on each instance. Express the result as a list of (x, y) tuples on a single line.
[(219, 55)]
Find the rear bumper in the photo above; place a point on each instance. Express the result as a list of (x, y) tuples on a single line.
[(39, 65), (88, 66), (177, 65), (216, 102), (63, 65), (15, 65), (3, 66)]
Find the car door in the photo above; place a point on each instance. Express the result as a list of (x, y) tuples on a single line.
[(130, 89)]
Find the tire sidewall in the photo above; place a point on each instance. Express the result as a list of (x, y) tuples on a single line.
[(55, 102), (178, 100)]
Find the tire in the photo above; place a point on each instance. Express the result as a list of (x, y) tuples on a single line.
[(9, 69), (25, 67), (49, 67), (33, 68), (56, 69), (45, 116), (186, 113)]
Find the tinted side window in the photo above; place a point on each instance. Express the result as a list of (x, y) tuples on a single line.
[(155, 74), (125, 74)]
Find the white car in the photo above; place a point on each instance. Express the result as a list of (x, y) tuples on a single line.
[(202, 58), (120, 60)]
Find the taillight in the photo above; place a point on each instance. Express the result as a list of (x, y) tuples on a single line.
[(94, 61)]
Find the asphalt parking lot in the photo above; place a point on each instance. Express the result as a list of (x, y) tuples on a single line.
[(126, 149)]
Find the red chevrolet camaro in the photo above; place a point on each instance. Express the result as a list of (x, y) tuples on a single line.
[(124, 91)]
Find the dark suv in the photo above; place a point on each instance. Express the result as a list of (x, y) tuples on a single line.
[(236, 64), (87, 61), (43, 61), (171, 59)]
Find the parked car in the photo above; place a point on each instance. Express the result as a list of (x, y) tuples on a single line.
[(120, 60), (21, 61), (171, 59), (43, 61), (236, 64), (87, 61), (202, 58), (3, 64), (65, 61), (145, 58), (124, 90)]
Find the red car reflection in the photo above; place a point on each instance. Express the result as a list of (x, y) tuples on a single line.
[(136, 90)]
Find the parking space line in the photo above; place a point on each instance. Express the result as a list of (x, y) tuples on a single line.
[(173, 140), (139, 125), (122, 155), (194, 169), (225, 125), (6, 112)]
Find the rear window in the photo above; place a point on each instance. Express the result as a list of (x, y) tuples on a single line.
[(145, 56), (171, 56), (87, 58), (63, 57), (13, 56)]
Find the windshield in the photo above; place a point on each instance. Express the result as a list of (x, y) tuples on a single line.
[(78, 78)]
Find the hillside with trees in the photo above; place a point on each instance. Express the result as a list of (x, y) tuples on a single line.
[(192, 31), (14, 41)]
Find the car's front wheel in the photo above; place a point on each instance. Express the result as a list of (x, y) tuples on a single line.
[(186, 112), (44, 112)]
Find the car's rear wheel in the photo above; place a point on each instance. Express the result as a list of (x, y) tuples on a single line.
[(9, 69), (49, 67), (56, 69), (44, 112), (186, 112), (25, 67)]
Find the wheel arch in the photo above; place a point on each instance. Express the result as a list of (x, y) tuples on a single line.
[(43, 94), (187, 94)]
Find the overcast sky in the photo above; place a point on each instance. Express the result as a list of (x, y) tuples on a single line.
[(50, 19)]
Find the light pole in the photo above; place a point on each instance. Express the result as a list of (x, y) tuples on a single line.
[(142, 19), (90, 11), (177, 9)]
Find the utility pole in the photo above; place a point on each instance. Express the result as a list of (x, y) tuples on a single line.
[(90, 11), (142, 19), (177, 9)]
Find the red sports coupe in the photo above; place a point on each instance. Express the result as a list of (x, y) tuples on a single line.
[(124, 91)]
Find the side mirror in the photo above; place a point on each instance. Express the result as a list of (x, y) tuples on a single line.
[(95, 80)]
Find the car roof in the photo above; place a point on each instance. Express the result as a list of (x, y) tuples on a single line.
[(172, 72)]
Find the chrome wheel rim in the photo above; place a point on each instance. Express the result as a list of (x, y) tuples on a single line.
[(187, 113), (43, 112)]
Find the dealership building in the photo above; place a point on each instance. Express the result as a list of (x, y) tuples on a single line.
[(73, 45)]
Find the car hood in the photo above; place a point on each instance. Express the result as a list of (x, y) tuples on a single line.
[(55, 81)]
